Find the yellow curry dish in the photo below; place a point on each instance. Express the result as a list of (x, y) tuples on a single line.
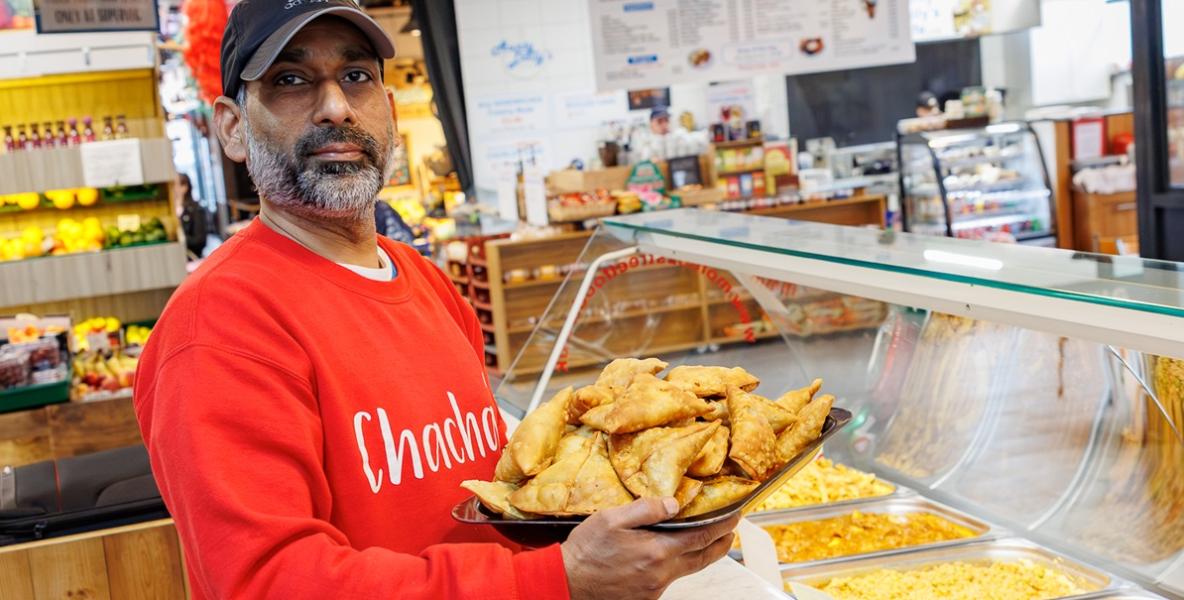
[(861, 533), (1000, 580)]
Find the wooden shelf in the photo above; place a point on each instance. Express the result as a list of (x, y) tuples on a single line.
[(739, 143), (481, 305), (533, 283), (479, 284), (487, 327), (739, 172), (588, 362), (117, 271), (61, 168), (628, 314), (455, 279), (764, 335), (479, 262)]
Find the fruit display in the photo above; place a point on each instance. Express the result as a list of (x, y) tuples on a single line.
[(633, 435), (63, 199), (98, 375), (823, 482), (31, 363), (71, 236), (149, 232), (859, 533), (106, 358)]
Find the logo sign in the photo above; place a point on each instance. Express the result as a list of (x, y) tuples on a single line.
[(75, 16)]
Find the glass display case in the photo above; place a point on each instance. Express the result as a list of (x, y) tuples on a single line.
[(1034, 390), (990, 183)]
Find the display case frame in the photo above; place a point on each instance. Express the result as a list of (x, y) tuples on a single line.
[(1106, 317)]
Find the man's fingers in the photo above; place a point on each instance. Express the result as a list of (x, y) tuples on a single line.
[(693, 562), (692, 540), (640, 512)]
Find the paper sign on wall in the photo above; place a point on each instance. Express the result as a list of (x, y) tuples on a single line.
[(535, 192), (113, 163), (74, 16), (660, 42), (507, 195)]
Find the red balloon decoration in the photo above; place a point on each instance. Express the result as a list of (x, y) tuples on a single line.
[(206, 21)]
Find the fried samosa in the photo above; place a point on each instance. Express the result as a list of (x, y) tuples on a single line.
[(653, 462), (718, 493), (717, 411), (580, 483), (753, 440), (794, 400), (647, 402), (586, 398), (708, 382), (507, 470), (711, 458), (574, 441), (617, 375), (792, 441), (687, 490), (533, 444), (494, 495), (779, 418)]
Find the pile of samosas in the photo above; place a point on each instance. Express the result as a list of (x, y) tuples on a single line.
[(699, 435)]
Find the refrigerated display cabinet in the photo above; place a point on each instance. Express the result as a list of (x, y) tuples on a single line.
[(1033, 389), (977, 184)]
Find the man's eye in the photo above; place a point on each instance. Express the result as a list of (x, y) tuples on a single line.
[(285, 80), (357, 77)]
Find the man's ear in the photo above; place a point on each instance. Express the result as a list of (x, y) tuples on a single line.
[(228, 124), (390, 98)]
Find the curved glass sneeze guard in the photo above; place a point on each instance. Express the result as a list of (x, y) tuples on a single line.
[(1054, 438)]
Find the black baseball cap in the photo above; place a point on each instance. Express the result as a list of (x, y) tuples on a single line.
[(258, 30), (659, 112)]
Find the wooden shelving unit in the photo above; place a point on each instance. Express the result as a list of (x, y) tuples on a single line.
[(697, 319), (129, 283)]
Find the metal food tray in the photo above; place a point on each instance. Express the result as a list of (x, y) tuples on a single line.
[(1122, 594), (898, 491), (899, 505), (1010, 549)]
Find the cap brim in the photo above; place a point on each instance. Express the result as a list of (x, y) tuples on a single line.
[(277, 41)]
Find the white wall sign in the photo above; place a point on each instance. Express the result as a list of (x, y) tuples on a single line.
[(113, 163), (74, 16), (651, 43), (534, 191)]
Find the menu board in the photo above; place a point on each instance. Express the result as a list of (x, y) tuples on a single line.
[(651, 43)]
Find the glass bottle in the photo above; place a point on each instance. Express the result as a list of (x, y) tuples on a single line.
[(88, 131), (9, 141), (62, 139), (108, 130), (75, 137), (47, 139), (121, 127), (22, 138)]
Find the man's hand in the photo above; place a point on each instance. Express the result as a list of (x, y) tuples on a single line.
[(607, 557)]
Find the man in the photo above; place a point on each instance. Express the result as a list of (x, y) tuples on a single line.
[(314, 394), (660, 121)]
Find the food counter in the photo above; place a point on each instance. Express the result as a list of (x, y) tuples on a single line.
[(1016, 410)]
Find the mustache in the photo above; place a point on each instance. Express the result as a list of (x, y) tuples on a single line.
[(320, 137)]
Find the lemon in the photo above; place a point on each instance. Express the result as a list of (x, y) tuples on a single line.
[(87, 196), (113, 324), (28, 201)]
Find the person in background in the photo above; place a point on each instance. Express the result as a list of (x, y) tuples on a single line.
[(194, 219), (927, 105), (660, 121), (388, 222)]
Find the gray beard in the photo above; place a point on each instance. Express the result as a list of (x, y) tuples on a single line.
[(337, 191)]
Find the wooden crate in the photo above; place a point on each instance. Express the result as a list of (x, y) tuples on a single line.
[(1101, 219)]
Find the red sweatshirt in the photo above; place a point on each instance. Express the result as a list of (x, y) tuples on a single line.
[(308, 429)]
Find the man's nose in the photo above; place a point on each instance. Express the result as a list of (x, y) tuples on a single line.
[(333, 107)]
